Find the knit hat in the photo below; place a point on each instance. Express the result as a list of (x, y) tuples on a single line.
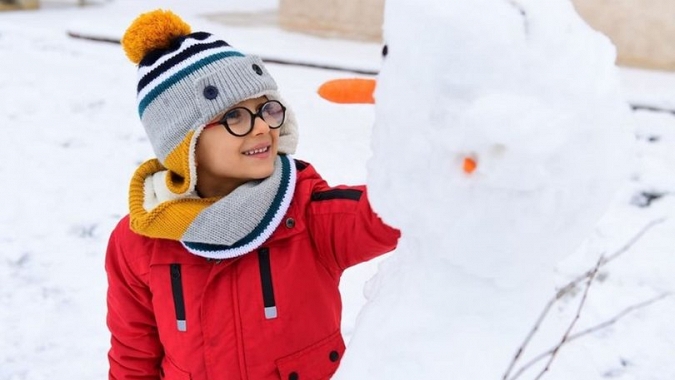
[(185, 80)]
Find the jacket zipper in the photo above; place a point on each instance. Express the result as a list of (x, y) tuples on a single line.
[(178, 300), (266, 282)]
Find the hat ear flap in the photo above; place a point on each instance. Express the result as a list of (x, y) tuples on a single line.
[(181, 178)]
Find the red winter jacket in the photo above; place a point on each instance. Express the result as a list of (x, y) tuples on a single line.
[(177, 316)]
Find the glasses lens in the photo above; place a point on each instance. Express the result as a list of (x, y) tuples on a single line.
[(238, 120), (273, 113)]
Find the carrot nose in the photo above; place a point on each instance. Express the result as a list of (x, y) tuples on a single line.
[(348, 91), (469, 165)]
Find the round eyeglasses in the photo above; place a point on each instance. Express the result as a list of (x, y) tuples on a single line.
[(239, 121)]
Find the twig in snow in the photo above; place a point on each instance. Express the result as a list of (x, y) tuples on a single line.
[(569, 286), (84, 36), (621, 250), (574, 320), (523, 14), (592, 329), (519, 7), (521, 349), (638, 107)]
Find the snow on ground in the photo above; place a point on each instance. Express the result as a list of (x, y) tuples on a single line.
[(72, 138)]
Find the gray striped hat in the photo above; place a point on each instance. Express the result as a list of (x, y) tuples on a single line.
[(186, 79)]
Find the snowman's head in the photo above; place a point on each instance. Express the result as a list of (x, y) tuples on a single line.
[(500, 133)]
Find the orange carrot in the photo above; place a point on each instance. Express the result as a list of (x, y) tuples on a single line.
[(348, 91), (470, 165)]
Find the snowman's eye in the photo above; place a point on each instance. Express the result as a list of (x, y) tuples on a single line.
[(385, 50)]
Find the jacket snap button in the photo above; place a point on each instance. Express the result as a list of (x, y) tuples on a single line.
[(257, 69), (290, 222), (293, 376), (334, 356)]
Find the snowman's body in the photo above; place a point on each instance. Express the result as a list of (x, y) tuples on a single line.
[(530, 94)]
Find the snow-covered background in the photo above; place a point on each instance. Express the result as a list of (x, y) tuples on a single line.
[(72, 138)]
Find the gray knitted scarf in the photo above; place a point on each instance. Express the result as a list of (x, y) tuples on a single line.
[(244, 219), (219, 229)]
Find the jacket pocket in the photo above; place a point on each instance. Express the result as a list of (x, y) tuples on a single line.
[(316, 362), (169, 371)]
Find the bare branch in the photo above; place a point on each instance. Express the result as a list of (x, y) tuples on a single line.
[(535, 328), (620, 315), (592, 329), (621, 250), (562, 291), (574, 320)]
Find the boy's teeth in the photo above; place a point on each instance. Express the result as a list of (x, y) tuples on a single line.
[(256, 151)]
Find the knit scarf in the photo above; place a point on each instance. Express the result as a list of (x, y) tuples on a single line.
[(217, 228)]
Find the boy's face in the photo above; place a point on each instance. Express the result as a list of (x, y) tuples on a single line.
[(225, 161)]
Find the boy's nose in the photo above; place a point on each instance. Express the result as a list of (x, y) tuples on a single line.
[(260, 126)]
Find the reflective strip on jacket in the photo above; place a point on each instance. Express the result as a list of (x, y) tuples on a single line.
[(270, 314)]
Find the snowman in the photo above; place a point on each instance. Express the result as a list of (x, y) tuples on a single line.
[(500, 139)]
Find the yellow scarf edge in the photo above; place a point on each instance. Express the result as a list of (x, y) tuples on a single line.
[(169, 219)]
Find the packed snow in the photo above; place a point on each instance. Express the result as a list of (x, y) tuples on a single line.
[(72, 139), (531, 94)]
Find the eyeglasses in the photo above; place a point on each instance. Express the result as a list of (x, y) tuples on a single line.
[(239, 121)]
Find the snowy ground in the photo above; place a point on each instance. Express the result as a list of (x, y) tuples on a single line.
[(72, 139)]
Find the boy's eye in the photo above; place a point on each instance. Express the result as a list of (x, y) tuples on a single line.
[(272, 109), (233, 116)]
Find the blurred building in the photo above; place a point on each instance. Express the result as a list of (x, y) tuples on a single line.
[(6, 5), (642, 30), (352, 19)]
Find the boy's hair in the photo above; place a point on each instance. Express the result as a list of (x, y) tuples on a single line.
[(186, 79)]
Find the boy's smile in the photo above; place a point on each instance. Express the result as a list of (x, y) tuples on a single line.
[(259, 151)]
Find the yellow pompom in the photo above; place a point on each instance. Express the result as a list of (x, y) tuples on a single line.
[(151, 31)]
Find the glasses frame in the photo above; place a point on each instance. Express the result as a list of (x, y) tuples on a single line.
[(222, 121)]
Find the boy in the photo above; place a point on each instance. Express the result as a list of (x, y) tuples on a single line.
[(228, 264)]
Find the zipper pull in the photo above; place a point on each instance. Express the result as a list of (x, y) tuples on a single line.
[(269, 304), (178, 300)]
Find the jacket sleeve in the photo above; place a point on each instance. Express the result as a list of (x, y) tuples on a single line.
[(135, 351), (344, 226)]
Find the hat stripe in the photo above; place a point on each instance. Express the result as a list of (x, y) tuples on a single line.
[(180, 66), (166, 84), (165, 66), (152, 57), (143, 70)]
